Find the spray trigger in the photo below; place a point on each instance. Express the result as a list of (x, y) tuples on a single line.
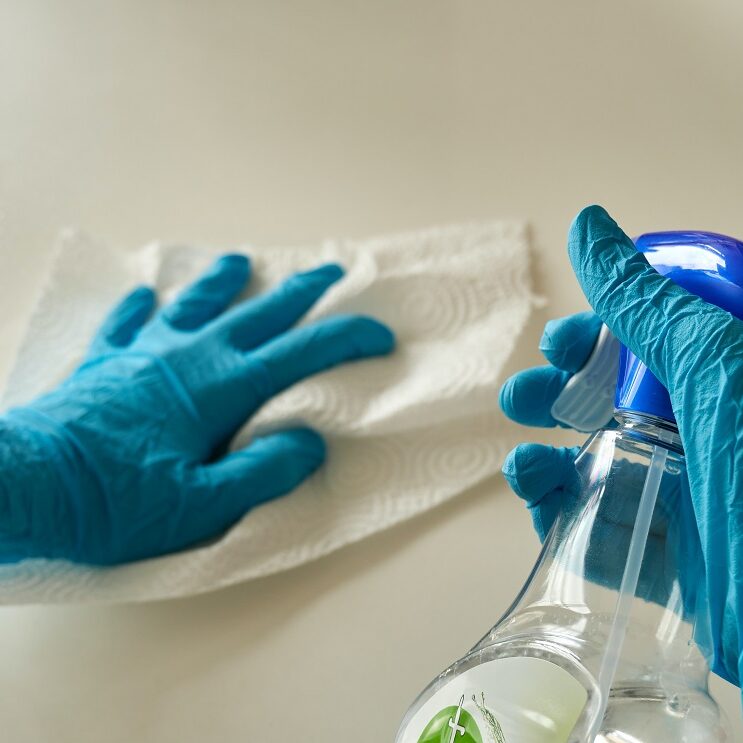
[(587, 401)]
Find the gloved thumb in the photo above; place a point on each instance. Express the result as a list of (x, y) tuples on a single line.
[(660, 322)]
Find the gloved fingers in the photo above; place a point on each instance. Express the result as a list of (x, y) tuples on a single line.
[(221, 493), (567, 342), (124, 321), (210, 295), (535, 470), (259, 320), (310, 349), (545, 477), (651, 315), (527, 397)]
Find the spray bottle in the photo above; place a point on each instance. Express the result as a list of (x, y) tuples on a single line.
[(605, 641)]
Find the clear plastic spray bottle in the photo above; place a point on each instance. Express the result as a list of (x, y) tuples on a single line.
[(605, 641)]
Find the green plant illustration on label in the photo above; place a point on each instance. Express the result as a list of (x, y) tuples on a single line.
[(457, 725), (452, 724)]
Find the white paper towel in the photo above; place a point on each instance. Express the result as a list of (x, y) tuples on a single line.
[(404, 433)]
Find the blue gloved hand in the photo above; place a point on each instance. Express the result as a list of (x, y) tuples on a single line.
[(696, 350), (126, 458)]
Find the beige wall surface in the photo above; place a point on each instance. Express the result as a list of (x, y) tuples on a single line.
[(275, 122)]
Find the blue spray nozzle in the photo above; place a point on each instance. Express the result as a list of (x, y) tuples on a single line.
[(707, 264)]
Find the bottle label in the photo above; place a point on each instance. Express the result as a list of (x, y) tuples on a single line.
[(507, 700)]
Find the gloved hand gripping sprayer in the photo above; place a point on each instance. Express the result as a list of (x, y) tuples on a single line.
[(607, 640)]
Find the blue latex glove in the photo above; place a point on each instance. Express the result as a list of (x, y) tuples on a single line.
[(696, 350), (126, 458)]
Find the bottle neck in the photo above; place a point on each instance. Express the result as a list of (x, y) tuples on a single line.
[(651, 429), (571, 597)]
